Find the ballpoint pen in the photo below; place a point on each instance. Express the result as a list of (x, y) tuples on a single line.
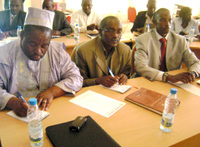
[(21, 97), (111, 73)]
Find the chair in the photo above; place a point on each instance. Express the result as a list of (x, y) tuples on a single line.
[(74, 51), (68, 17), (131, 14)]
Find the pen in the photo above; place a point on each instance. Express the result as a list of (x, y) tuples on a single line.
[(21, 97), (111, 73)]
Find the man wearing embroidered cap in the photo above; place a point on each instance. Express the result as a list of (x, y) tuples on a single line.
[(35, 66), (160, 50)]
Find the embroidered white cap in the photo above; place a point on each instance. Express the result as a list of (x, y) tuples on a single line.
[(39, 17)]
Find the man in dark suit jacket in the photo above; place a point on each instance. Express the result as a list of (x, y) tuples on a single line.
[(60, 24), (144, 17), (10, 19)]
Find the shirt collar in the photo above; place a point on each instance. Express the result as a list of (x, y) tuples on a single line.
[(159, 36)]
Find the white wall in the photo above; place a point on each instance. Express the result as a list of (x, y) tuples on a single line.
[(1, 5)]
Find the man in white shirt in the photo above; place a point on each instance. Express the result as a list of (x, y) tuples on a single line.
[(86, 18)]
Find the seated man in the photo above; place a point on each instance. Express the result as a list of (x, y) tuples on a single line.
[(144, 17), (184, 23), (35, 66), (61, 26), (154, 57), (10, 19), (87, 19), (106, 50)]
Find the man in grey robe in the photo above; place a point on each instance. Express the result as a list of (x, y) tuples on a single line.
[(35, 66)]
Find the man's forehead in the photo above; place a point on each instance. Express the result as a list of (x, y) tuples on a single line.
[(16, 2), (113, 23)]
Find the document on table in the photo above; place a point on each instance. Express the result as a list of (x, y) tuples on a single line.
[(188, 87), (119, 88), (98, 103), (25, 119)]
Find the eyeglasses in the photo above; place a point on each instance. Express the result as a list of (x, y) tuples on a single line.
[(112, 31)]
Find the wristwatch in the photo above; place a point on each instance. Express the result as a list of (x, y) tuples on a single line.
[(164, 77), (194, 74)]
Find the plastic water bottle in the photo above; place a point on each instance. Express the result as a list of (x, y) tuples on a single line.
[(19, 30), (191, 35), (76, 34), (147, 28), (171, 104), (34, 124)]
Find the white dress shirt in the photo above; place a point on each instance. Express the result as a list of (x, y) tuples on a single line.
[(176, 26), (83, 20)]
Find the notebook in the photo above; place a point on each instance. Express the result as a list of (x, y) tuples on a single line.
[(25, 119), (148, 99), (90, 135), (119, 88)]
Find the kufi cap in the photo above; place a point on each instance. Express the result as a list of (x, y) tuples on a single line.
[(39, 17)]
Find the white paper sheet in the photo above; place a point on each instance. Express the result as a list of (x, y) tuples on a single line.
[(188, 87), (25, 119), (119, 88), (98, 103)]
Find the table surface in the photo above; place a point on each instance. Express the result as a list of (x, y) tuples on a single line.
[(126, 38), (70, 44), (130, 126)]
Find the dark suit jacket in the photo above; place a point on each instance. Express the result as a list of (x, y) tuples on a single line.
[(61, 24), (139, 21), (5, 21)]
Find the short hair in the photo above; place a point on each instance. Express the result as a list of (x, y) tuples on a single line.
[(104, 21), (184, 11), (151, 1), (158, 12), (28, 28), (84, 1), (18, 0)]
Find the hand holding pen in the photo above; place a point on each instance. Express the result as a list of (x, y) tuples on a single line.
[(21, 97), (111, 74)]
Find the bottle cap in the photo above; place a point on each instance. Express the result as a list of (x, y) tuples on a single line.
[(76, 24), (32, 101), (173, 90), (19, 27)]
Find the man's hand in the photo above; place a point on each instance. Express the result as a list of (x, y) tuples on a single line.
[(45, 98), (141, 30), (107, 81), (185, 77), (3, 35), (182, 33), (91, 27), (56, 32), (122, 79), (18, 106)]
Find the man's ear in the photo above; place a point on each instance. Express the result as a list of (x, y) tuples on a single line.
[(154, 21), (100, 31), (22, 35)]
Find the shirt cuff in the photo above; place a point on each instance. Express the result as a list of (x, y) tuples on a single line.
[(5, 101), (63, 87), (159, 76)]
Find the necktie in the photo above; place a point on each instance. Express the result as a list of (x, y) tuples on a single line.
[(163, 50)]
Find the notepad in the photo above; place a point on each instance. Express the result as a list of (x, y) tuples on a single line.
[(188, 87), (25, 119), (119, 88), (98, 103)]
